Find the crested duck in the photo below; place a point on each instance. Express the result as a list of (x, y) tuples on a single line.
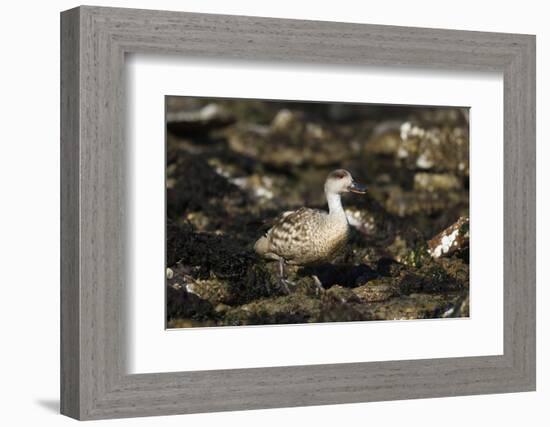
[(310, 236)]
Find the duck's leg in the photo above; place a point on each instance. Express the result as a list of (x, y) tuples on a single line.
[(318, 284), (282, 280)]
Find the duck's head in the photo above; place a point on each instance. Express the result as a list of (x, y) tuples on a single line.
[(340, 181)]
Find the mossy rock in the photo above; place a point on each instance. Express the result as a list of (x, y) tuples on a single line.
[(429, 278), (414, 306), (182, 304), (293, 308), (378, 290)]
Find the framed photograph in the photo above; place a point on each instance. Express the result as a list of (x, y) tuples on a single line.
[(261, 213)]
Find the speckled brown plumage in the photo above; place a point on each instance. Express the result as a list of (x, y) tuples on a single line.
[(310, 236), (305, 236)]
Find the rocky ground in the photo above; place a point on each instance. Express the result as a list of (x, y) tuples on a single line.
[(233, 166)]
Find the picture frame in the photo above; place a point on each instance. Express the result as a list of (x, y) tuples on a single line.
[(94, 380)]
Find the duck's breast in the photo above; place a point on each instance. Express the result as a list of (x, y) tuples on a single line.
[(318, 240), (333, 238)]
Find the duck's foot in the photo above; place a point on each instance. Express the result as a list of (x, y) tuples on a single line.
[(318, 284), (284, 284)]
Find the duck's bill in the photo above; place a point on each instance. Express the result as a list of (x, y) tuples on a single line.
[(357, 188)]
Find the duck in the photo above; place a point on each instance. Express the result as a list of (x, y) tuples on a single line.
[(308, 237)]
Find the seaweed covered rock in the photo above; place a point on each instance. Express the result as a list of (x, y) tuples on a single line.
[(432, 182), (339, 304), (294, 308), (184, 305), (198, 121), (290, 141), (453, 239), (377, 290), (197, 187), (414, 306), (224, 269)]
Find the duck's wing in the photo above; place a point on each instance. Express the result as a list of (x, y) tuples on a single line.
[(280, 218), (292, 230), (294, 219), (263, 244)]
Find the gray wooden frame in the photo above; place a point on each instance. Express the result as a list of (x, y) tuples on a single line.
[(94, 41)]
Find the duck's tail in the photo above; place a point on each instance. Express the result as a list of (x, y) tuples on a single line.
[(261, 246)]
